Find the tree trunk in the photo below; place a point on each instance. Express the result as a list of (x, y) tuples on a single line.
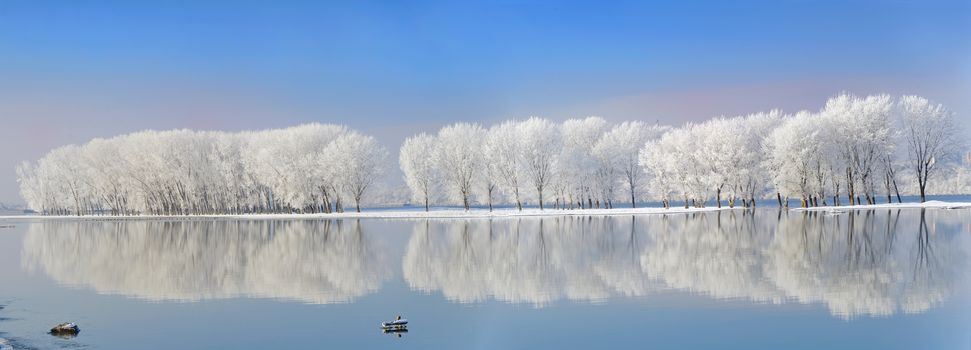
[(540, 190), (490, 200), (897, 191), (519, 203)]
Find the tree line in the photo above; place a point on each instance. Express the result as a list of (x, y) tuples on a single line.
[(851, 151), (313, 168)]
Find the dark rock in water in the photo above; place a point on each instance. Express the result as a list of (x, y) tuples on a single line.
[(66, 329)]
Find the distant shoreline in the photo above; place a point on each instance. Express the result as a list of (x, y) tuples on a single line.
[(484, 213)]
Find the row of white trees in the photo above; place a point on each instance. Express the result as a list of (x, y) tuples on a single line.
[(580, 163), (854, 147), (857, 147), (308, 169)]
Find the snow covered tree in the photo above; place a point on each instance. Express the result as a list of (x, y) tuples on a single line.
[(862, 138), (421, 174), (360, 160), (458, 156), (540, 147), (793, 151), (621, 147), (577, 164), (931, 135), (503, 155)]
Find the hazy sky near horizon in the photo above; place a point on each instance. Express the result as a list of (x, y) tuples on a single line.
[(75, 70)]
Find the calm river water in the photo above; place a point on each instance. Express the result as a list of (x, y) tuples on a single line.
[(881, 279)]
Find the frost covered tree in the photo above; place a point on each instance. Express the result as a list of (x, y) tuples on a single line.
[(504, 157), (359, 159), (931, 136), (540, 147), (421, 174), (655, 166), (862, 138), (717, 158), (792, 154), (458, 156), (671, 159), (577, 165), (747, 179), (621, 146)]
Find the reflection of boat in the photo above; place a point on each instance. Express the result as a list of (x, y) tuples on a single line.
[(397, 331)]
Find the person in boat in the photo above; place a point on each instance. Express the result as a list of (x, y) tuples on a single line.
[(398, 318)]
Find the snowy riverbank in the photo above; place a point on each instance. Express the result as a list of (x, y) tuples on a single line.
[(484, 213), (914, 205), (402, 214)]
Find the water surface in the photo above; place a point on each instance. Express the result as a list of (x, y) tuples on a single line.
[(890, 279)]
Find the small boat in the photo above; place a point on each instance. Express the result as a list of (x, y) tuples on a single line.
[(396, 324)]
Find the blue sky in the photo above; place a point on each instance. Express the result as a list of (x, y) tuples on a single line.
[(74, 70)]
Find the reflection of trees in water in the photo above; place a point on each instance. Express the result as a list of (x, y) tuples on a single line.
[(309, 261), (876, 262), (718, 254), (859, 263), (530, 260), (862, 263)]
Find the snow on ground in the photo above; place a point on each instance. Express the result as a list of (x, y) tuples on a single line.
[(927, 204), (498, 213), (407, 214)]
